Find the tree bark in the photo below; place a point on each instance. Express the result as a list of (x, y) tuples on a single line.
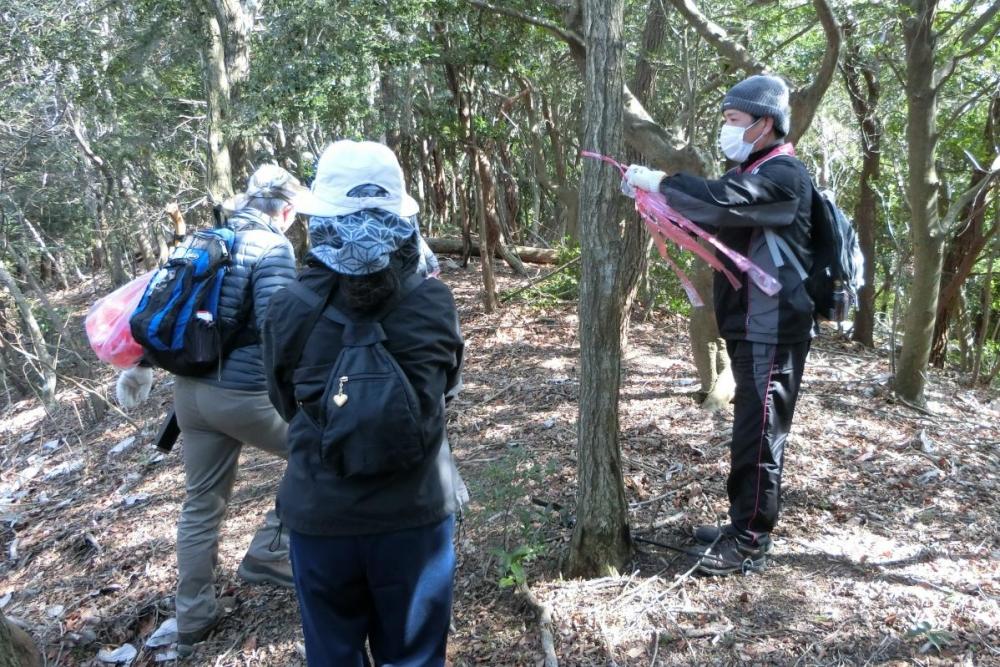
[(46, 364), (965, 248), (601, 542), (863, 89), (487, 249), (926, 234), (219, 176), (235, 19), (17, 649)]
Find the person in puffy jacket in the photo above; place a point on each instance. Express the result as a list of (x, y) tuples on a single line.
[(762, 209), (371, 537), (225, 409)]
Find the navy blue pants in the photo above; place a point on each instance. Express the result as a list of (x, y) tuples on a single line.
[(767, 386), (394, 589)]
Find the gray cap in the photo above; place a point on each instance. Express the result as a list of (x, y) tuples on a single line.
[(761, 95)]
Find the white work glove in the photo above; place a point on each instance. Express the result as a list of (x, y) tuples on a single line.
[(644, 178), (133, 386)]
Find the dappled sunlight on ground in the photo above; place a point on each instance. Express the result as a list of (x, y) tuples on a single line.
[(887, 549)]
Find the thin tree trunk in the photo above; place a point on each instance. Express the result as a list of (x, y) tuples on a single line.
[(707, 347), (486, 249), (46, 366), (57, 265), (601, 542), (217, 94), (488, 193), (987, 310), (922, 192), (862, 87)]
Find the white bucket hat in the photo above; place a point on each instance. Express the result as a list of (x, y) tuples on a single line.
[(355, 175)]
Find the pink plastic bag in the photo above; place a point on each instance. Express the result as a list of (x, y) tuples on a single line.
[(107, 324)]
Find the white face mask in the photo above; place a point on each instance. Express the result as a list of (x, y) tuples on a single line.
[(732, 144)]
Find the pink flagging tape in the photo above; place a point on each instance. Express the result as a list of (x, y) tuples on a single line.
[(665, 223)]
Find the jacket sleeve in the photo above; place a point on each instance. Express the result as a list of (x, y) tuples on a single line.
[(765, 199), (274, 269), (278, 365), (431, 352)]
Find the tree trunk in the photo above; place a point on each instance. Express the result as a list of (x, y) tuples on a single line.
[(486, 249), (17, 649), (652, 39), (862, 87), (965, 249), (984, 328), (956, 267), (46, 365), (54, 261), (219, 174), (236, 20), (709, 350), (922, 193), (601, 542), (488, 193)]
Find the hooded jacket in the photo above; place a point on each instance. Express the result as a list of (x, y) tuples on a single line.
[(739, 207)]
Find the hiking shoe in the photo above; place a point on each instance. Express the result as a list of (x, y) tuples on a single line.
[(256, 571), (707, 534), (730, 555), (187, 640)]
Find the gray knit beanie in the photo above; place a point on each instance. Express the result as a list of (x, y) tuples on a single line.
[(761, 95)]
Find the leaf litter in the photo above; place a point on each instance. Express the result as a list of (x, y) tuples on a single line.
[(887, 550)]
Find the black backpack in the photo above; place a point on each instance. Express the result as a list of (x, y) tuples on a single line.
[(837, 273), (177, 320), (368, 420)]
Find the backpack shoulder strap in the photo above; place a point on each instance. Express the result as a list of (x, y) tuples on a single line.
[(317, 303)]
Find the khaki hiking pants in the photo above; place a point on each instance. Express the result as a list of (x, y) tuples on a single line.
[(216, 423)]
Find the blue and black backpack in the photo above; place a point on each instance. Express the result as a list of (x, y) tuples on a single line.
[(838, 265), (177, 320)]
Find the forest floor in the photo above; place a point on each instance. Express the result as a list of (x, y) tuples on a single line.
[(888, 549)]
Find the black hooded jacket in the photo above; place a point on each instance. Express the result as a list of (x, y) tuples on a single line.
[(739, 207)]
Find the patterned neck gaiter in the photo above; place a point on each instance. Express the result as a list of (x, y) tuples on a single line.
[(367, 241)]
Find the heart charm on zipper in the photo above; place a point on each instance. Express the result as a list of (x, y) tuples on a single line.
[(340, 397)]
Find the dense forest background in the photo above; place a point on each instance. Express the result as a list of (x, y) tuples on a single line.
[(112, 111), (121, 120)]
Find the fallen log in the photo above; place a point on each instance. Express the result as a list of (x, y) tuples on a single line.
[(526, 253)]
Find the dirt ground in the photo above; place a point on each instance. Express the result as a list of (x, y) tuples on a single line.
[(887, 551)]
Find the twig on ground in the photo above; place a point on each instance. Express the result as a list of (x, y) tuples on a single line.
[(544, 615), (716, 630), (541, 279)]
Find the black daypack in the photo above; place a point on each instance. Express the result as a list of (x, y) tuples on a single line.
[(837, 273), (368, 419), (177, 320)]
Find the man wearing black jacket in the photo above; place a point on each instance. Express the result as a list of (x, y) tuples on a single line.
[(762, 209)]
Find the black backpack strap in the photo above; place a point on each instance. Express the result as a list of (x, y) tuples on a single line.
[(317, 303)]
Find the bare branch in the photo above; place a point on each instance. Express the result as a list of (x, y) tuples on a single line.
[(950, 222), (805, 101), (715, 35), (970, 32), (568, 36)]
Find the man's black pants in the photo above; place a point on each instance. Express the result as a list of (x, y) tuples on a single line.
[(767, 384)]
